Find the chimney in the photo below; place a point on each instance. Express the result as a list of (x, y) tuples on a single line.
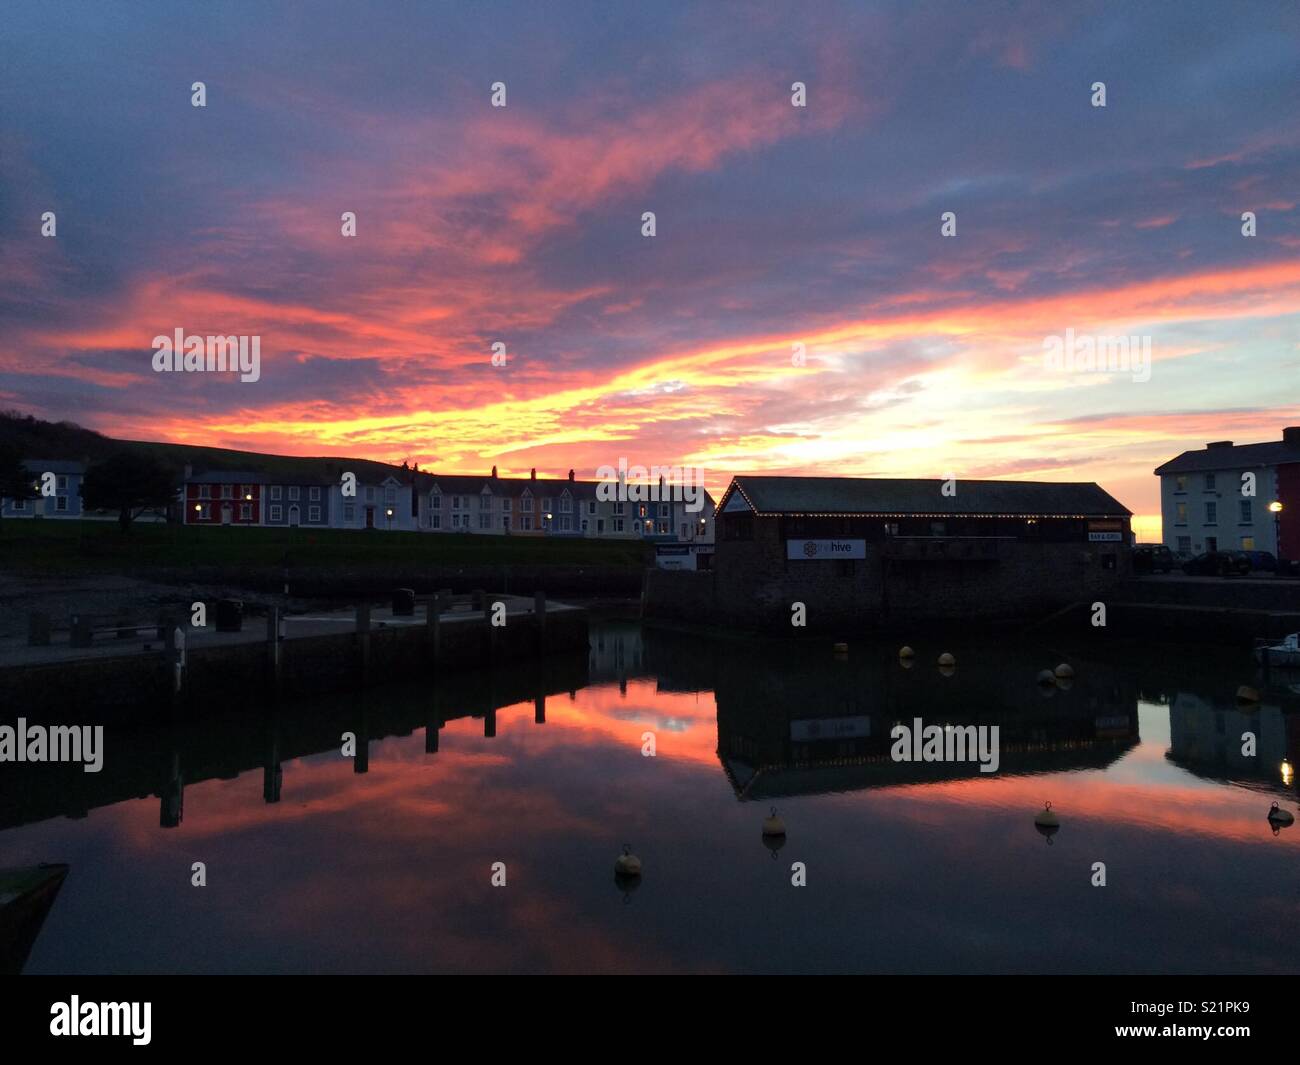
[(532, 474), (494, 473), (1291, 435), (571, 475), (189, 470), (1217, 444)]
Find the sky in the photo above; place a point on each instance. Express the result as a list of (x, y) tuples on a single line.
[(923, 355)]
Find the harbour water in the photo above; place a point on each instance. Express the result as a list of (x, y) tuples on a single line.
[(384, 862)]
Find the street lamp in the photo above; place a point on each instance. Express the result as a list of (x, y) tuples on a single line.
[(1276, 508)]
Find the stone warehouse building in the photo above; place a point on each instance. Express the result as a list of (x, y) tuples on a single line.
[(862, 554)]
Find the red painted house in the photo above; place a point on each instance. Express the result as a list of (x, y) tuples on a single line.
[(224, 497)]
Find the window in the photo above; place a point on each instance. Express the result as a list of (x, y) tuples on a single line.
[(686, 531), (1185, 545), (435, 501), (591, 506), (245, 490), (641, 511), (61, 482), (618, 507), (20, 504), (275, 491), (204, 511), (1211, 513), (349, 512), (584, 525), (566, 505), (245, 511), (566, 523), (506, 504), (295, 493), (618, 524), (1180, 484), (1248, 543), (60, 502), (546, 502), (1211, 543), (390, 495), (370, 493), (526, 522), (505, 521), (226, 492), (1245, 516), (314, 493), (313, 513), (205, 491), (277, 512), (662, 528), (485, 519), (663, 510), (1209, 482), (437, 521), (1180, 513)]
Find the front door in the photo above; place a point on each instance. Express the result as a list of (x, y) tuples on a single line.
[(370, 517), (293, 514), (225, 513)]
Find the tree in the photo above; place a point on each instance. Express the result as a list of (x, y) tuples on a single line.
[(16, 481), (129, 483)]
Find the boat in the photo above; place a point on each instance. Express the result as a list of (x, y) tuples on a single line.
[(1286, 653), (26, 896)]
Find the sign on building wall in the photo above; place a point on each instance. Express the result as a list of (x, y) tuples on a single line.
[(822, 549), (1105, 532)]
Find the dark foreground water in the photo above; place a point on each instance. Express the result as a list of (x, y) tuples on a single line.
[(313, 865)]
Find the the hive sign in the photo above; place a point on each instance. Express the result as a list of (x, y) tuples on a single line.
[(821, 549)]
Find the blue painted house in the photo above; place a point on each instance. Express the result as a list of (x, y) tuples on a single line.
[(59, 483)]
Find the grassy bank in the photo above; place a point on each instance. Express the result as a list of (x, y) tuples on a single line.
[(67, 548)]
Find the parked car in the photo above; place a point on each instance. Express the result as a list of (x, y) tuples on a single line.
[(1261, 560), (1217, 564), (1153, 558)]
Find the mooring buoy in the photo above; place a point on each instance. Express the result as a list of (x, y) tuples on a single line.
[(906, 652), (1279, 818), (841, 648), (773, 825), (1047, 678), (1064, 671), (947, 659), (627, 863), (1047, 822)]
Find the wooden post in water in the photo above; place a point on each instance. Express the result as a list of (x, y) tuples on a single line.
[(491, 629), (273, 648), (539, 609), (433, 630), (363, 642)]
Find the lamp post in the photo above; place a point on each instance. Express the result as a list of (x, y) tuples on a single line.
[(389, 514), (1276, 508)]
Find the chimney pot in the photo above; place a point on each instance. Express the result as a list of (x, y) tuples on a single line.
[(1217, 443), (494, 473), (571, 475), (1291, 435), (532, 474)]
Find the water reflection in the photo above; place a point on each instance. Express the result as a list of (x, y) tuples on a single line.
[(911, 867)]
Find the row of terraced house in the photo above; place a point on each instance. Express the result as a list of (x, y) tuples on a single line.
[(423, 501)]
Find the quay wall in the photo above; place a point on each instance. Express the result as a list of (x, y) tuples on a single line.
[(140, 686)]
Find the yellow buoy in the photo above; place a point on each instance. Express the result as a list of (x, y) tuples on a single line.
[(1045, 818), (946, 659), (906, 652), (1279, 818), (773, 825), (1065, 670), (627, 863)]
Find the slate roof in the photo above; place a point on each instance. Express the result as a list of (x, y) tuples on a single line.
[(888, 496), (1237, 456), (39, 466)]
